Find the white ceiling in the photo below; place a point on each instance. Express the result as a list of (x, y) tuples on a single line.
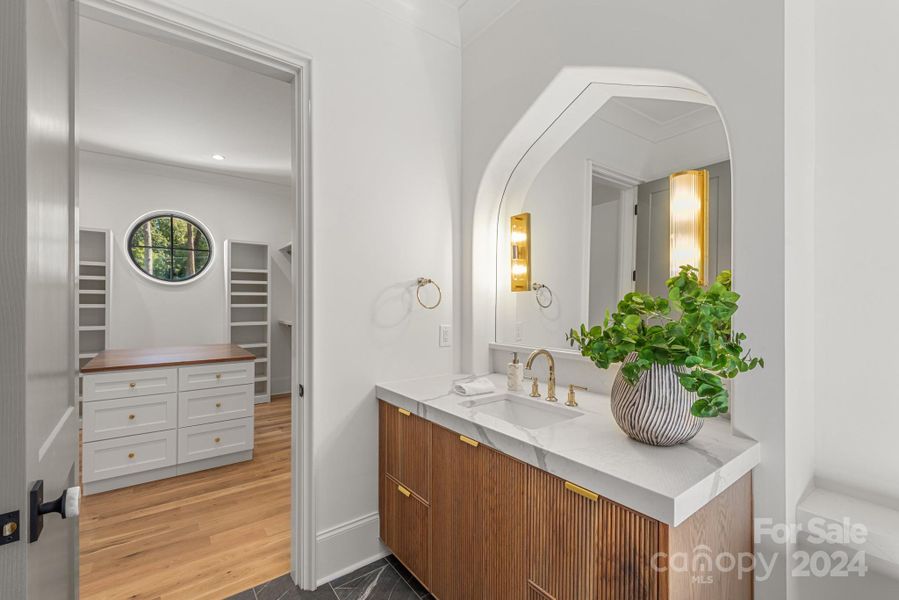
[(147, 99), (658, 120)]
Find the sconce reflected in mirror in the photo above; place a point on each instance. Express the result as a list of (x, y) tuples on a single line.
[(689, 221), (521, 252)]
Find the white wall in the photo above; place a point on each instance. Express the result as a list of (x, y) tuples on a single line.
[(735, 51), (114, 191), (857, 136), (385, 206)]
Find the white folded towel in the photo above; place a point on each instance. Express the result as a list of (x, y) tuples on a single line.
[(481, 385)]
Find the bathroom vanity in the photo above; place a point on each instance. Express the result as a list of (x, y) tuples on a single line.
[(152, 413), (502, 496)]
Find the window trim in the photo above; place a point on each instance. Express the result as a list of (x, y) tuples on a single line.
[(126, 245)]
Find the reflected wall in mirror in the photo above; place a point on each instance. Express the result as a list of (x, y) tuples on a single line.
[(600, 213)]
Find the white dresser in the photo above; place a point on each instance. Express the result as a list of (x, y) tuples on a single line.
[(154, 413)]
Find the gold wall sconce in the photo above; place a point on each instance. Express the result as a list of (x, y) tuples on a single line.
[(520, 237), (689, 221)]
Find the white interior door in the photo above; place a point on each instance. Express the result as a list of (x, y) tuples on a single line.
[(38, 416)]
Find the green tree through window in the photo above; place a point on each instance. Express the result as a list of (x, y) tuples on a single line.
[(169, 247)]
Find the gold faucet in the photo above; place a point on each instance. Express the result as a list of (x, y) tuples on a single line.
[(551, 381)]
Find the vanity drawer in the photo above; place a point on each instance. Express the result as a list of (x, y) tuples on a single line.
[(129, 384), (211, 406), (405, 528), (127, 455), (201, 377), (105, 419), (215, 439)]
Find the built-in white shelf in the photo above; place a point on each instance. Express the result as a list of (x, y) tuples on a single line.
[(94, 265), (247, 266)]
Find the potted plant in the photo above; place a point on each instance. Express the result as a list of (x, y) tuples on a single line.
[(676, 352)]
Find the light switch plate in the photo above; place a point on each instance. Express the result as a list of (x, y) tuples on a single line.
[(517, 331), (446, 332)]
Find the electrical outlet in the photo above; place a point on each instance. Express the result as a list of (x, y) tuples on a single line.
[(516, 333), (446, 332)]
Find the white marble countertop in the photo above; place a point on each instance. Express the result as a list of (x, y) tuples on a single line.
[(667, 484)]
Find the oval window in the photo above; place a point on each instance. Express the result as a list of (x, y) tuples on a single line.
[(169, 247)]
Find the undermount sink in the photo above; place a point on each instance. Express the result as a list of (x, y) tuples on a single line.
[(529, 414)]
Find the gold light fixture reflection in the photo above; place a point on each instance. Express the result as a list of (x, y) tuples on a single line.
[(520, 237), (689, 221)]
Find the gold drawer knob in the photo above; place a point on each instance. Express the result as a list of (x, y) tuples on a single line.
[(218, 404), (131, 455), (218, 375), (217, 440), (132, 385), (130, 417)]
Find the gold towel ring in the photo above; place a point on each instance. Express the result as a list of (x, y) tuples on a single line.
[(422, 282), (539, 286)]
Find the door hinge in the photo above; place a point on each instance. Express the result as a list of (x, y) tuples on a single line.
[(301, 390)]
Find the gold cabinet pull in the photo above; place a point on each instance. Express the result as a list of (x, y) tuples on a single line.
[(403, 412), (131, 455), (403, 491), (217, 440), (469, 441), (132, 385), (130, 417), (581, 491)]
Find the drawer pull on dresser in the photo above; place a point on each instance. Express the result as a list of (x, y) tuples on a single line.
[(132, 385), (131, 455), (403, 412), (403, 491), (130, 417)]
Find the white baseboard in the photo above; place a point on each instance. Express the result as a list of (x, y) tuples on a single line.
[(346, 547)]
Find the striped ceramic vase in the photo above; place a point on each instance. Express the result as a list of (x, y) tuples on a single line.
[(656, 411)]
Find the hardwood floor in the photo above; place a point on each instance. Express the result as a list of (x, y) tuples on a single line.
[(202, 536)]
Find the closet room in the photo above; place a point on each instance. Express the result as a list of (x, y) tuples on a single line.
[(185, 303)]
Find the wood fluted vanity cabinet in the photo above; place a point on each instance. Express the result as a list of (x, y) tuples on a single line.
[(406, 448), (404, 459), (478, 520), (585, 546)]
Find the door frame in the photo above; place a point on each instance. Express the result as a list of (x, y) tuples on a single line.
[(627, 227), (213, 38)]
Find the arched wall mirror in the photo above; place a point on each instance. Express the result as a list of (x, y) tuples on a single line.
[(627, 183)]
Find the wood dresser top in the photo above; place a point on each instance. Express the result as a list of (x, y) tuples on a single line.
[(172, 356)]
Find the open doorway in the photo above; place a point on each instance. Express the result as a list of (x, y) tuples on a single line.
[(192, 193)]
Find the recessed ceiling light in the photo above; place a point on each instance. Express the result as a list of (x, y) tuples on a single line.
[(218, 157)]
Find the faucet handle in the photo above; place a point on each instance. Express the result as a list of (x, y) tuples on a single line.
[(535, 387), (571, 399)]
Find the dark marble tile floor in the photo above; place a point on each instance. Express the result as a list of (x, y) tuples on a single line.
[(384, 579)]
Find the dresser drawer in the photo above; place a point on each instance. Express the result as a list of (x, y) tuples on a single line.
[(215, 439), (129, 384), (201, 377), (127, 455), (105, 419), (211, 406)]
